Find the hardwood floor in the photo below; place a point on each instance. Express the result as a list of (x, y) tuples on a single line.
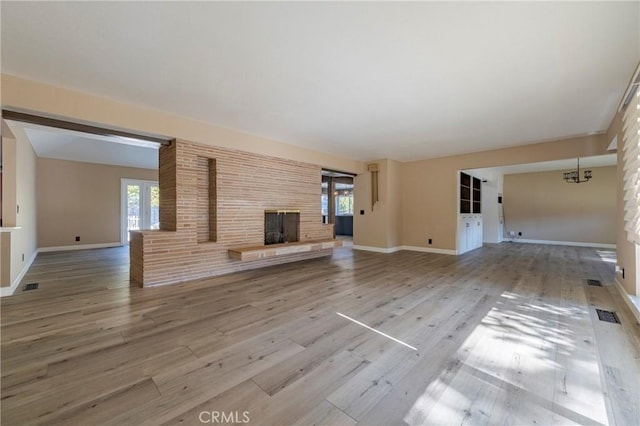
[(503, 335)]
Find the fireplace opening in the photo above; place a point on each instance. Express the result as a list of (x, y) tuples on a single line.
[(281, 226)]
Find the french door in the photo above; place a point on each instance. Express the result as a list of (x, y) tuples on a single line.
[(140, 206)]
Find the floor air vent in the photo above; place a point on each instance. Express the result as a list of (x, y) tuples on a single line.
[(607, 316), (32, 286), (596, 283)]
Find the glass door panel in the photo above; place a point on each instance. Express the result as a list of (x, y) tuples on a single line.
[(134, 218), (140, 206), (154, 201)]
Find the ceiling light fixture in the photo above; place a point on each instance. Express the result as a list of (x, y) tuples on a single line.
[(574, 176)]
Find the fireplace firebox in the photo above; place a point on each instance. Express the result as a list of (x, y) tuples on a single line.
[(281, 226)]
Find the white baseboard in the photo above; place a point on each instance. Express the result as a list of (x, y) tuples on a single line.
[(633, 302), (429, 250), (8, 291), (564, 243), (399, 248), (79, 247), (377, 249)]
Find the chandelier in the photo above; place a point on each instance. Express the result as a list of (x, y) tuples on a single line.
[(574, 176)]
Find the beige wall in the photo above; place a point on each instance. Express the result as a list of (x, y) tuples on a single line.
[(9, 171), (382, 226), (370, 229), (430, 186), (46, 99), (83, 199), (9, 202), (544, 207), (626, 251), (396, 203), (5, 260), (19, 206), (26, 238)]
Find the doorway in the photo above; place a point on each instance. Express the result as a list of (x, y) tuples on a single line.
[(140, 206), (337, 202)]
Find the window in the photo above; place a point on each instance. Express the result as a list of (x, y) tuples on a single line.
[(344, 204), (631, 168), (344, 199), (140, 206), (336, 198), (324, 200)]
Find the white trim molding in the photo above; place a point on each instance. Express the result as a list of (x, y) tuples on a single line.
[(8, 291), (9, 228), (388, 250), (564, 243), (430, 250), (633, 302), (377, 249), (79, 247)]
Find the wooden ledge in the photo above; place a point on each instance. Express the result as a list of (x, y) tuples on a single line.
[(273, 250)]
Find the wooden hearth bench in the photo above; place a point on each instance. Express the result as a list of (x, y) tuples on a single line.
[(272, 250)]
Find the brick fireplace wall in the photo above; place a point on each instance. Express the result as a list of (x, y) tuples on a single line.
[(245, 186)]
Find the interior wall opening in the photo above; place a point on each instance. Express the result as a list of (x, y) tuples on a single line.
[(337, 202), (534, 202)]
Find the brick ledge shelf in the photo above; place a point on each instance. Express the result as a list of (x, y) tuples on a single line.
[(273, 250)]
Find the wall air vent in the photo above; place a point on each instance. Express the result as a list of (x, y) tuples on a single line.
[(595, 283), (32, 286)]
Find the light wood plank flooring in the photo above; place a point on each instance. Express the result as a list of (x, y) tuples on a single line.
[(506, 334)]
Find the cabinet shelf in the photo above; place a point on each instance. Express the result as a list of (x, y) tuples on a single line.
[(465, 193)]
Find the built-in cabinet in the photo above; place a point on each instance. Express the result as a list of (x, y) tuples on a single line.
[(469, 213), (469, 232)]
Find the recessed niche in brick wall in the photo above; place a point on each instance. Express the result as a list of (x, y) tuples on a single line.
[(168, 188), (206, 199)]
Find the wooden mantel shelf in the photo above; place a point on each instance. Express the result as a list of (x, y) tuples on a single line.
[(272, 250)]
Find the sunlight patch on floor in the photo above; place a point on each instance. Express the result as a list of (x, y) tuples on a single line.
[(521, 355), (607, 256)]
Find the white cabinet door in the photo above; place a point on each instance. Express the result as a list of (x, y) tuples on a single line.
[(468, 235), (464, 234), (470, 232), (477, 224)]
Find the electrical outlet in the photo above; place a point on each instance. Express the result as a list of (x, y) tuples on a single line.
[(77, 238), (520, 234), (512, 233), (23, 257), (430, 241)]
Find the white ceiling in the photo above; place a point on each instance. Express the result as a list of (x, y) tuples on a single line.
[(365, 80), (60, 144)]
